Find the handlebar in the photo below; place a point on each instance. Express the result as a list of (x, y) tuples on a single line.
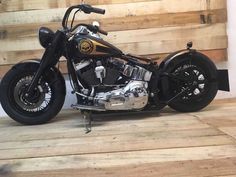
[(86, 8)]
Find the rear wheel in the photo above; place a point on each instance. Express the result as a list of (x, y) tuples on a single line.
[(196, 80), (41, 105)]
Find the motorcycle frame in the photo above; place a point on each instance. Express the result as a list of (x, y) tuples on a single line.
[(60, 46)]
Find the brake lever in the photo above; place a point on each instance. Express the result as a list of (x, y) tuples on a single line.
[(100, 30), (103, 32)]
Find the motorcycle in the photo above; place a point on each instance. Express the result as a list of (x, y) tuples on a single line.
[(103, 78)]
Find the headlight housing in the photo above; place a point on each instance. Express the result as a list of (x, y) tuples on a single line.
[(45, 36)]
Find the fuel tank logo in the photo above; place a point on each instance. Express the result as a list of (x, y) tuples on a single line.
[(86, 46)]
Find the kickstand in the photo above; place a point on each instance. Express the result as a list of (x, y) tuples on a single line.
[(87, 115)]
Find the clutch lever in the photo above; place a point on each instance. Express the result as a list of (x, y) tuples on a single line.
[(94, 29), (102, 31)]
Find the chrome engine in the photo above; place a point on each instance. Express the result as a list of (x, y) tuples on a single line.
[(133, 96)]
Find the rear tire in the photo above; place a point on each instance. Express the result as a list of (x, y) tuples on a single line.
[(202, 96), (39, 108)]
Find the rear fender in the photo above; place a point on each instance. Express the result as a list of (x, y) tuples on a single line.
[(169, 62), (170, 59), (222, 76)]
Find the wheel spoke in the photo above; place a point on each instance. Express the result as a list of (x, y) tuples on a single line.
[(193, 78), (38, 101)]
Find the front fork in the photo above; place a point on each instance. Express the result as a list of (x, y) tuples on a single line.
[(50, 58)]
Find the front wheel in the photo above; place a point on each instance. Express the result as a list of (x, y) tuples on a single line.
[(41, 105), (198, 82)]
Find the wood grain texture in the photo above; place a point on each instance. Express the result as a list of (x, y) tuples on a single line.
[(112, 11), (229, 130), (142, 145), (120, 24), (121, 158), (104, 144), (152, 41), (156, 36), (198, 168), (22, 5)]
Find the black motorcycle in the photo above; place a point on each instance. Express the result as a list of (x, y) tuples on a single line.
[(103, 78)]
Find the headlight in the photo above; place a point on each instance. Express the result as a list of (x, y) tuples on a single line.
[(45, 36)]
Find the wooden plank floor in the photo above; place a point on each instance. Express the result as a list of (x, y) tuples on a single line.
[(201, 144)]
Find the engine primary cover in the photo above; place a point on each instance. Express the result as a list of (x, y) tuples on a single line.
[(134, 96)]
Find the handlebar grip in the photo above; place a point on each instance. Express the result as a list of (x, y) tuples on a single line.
[(98, 10)]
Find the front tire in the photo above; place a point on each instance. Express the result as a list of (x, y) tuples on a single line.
[(202, 72), (43, 105)]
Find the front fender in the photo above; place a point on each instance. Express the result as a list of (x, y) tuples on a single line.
[(35, 63)]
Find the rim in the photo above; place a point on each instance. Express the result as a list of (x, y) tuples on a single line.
[(38, 101), (193, 79)]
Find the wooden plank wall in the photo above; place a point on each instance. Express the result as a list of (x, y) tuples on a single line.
[(150, 28)]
